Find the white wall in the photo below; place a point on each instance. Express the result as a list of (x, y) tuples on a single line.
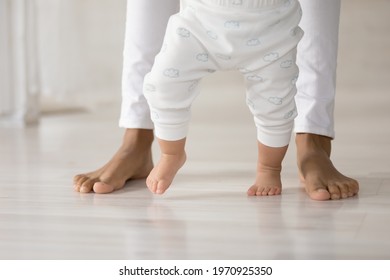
[(80, 49), (59, 54), (19, 82)]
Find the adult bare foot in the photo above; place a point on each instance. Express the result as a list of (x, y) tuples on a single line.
[(321, 179), (133, 160)]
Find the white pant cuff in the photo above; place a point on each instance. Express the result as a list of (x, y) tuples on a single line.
[(171, 133), (314, 130), (274, 141), (141, 124)]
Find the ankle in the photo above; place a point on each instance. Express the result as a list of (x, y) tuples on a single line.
[(175, 161), (140, 138), (262, 168), (178, 156), (309, 143)]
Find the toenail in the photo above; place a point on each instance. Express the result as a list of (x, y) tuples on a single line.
[(84, 189), (322, 190)]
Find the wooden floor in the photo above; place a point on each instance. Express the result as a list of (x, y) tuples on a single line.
[(206, 213)]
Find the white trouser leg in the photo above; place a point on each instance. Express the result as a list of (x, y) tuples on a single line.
[(317, 61), (270, 98), (145, 27), (192, 50)]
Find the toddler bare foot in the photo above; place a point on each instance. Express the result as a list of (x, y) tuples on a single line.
[(162, 175), (269, 167), (133, 160), (321, 179), (267, 183)]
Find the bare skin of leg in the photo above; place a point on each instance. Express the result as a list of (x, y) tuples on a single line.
[(172, 158), (269, 167), (133, 160), (321, 179)]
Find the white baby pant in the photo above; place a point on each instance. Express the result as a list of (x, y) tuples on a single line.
[(317, 56), (256, 37)]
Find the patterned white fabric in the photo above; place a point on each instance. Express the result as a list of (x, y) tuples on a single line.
[(256, 37), (317, 60)]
